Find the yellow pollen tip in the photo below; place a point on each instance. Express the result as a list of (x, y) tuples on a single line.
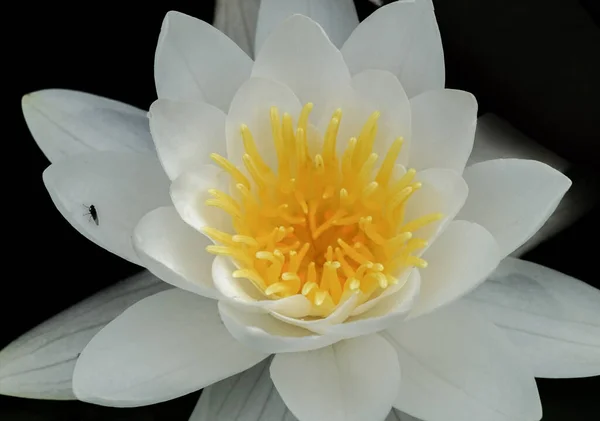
[(325, 223)]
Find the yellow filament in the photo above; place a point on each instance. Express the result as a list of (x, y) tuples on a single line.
[(324, 226), (235, 173), (385, 172)]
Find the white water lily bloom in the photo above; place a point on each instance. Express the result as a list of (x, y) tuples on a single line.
[(319, 210)]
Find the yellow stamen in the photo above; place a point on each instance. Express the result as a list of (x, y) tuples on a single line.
[(236, 174), (331, 136), (414, 225), (385, 172), (326, 226)]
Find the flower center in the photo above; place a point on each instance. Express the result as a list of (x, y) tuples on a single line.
[(322, 225)]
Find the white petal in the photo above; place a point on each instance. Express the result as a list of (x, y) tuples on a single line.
[(337, 17), (496, 138), (458, 261), (512, 198), (252, 106), (581, 198), (237, 19), (189, 193), (40, 363), (389, 311), (323, 325), (186, 133), (298, 54), (264, 333), (251, 396), (353, 380), (443, 191), (248, 396), (457, 366), (175, 252), (370, 91), (553, 319), (194, 60), (64, 123), (403, 38), (443, 128), (165, 346), (122, 187), (242, 294)]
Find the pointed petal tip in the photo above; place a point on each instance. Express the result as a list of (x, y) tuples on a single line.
[(532, 188), (28, 102), (189, 61), (337, 19), (169, 15), (27, 98), (32, 96), (563, 183)]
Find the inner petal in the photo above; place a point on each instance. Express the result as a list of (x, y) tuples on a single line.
[(320, 224)]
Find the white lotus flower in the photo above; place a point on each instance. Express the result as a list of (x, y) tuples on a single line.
[(340, 215)]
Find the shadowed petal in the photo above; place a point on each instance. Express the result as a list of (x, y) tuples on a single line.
[(40, 363)]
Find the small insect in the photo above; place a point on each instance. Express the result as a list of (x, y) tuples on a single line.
[(93, 213)]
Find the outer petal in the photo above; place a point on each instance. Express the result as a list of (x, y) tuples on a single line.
[(40, 363), (337, 17), (174, 251), (189, 193), (299, 54), (512, 198), (194, 60), (264, 333), (251, 396), (237, 19), (252, 106), (122, 188), (186, 133), (553, 319), (245, 296), (459, 260), (388, 312), (353, 380), (457, 366), (496, 138), (158, 350), (403, 38), (248, 396), (64, 123), (443, 126)]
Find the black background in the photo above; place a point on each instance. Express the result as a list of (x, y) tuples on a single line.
[(532, 64)]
